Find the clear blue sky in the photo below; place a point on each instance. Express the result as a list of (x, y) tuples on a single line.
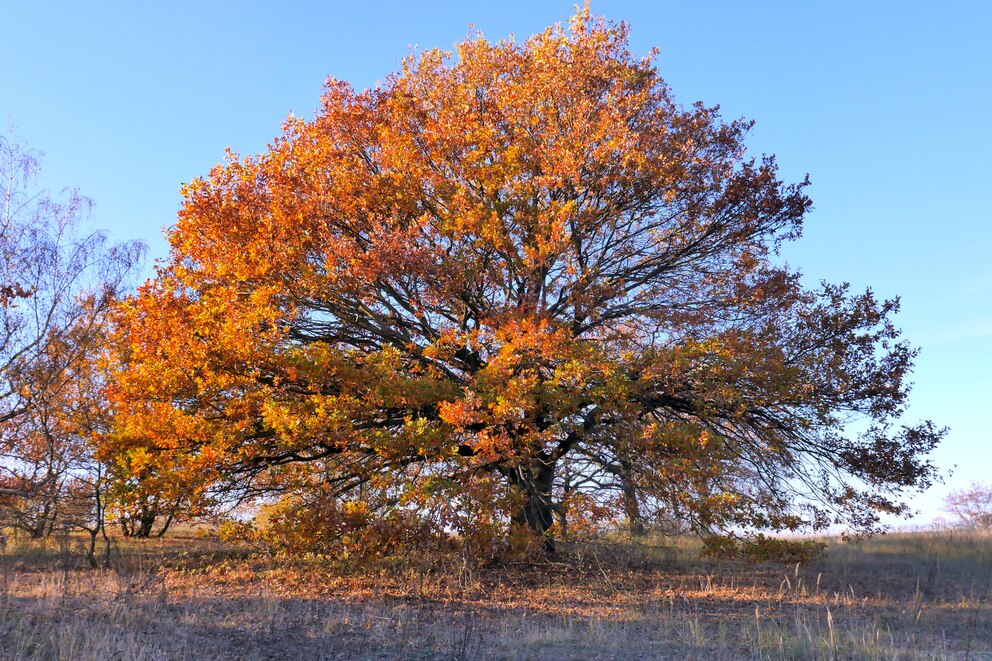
[(884, 104)]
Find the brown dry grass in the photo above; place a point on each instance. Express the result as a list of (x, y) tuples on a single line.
[(905, 596)]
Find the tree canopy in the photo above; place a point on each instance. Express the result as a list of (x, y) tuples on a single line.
[(516, 284)]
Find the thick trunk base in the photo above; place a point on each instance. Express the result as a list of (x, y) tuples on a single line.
[(534, 482)]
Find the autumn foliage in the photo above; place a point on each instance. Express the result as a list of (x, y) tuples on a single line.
[(513, 287)]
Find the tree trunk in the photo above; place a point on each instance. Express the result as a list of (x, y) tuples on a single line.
[(91, 549), (147, 522), (635, 522), (40, 524), (140, 523), (560, 509), (165, 526), (43, 524), (534, 481)]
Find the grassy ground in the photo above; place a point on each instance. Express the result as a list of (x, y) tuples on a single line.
[(902, 596)]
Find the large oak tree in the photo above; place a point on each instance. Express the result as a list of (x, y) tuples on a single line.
[(439, 292)]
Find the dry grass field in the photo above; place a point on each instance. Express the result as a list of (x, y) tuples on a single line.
[(901, 596)]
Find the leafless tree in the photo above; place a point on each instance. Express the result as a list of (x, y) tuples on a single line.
[(972, 505)]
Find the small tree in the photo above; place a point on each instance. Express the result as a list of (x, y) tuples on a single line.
[(57, 283), (972, 506)]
